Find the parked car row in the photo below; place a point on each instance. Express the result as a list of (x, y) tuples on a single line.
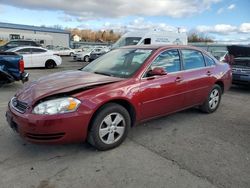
[(90, 54), (64, 51)]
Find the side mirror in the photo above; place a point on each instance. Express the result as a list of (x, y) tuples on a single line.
[(157, 71)]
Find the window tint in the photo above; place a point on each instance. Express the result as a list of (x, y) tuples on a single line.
[(37, 50), (209, 61), (97, 50), (32, 43), (24, 43), (12, 44), (169, 60), (192, 59), (24, 51)]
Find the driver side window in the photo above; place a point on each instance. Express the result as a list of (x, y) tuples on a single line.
[(168, 60)]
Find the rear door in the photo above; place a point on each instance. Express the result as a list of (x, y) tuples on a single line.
[(163, 94), (39, 57), (198, 75)]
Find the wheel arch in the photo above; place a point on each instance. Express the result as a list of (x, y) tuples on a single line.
[(124, 103), (221, 84)]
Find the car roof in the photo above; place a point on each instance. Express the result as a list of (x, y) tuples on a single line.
[(21, 40)]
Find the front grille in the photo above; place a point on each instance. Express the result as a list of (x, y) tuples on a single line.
[(242, 63), (41, 137), (240, 69), (18, 105)]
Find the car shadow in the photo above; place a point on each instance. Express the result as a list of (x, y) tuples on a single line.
[(240, 88), (11, 86)]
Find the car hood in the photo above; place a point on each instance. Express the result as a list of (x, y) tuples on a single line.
[(239, 51), (62, 82)]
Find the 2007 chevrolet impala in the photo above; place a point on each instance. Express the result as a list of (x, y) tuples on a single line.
[(100, 102)]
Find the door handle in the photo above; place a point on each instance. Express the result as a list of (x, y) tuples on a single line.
[(178, 79), (208, 73)]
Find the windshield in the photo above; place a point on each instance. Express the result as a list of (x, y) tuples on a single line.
[(126, 41), (121, 63)]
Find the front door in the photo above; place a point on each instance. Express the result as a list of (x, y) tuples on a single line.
[(39, 57), (163, 94)]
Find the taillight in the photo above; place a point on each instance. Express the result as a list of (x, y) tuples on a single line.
[(21, 65)]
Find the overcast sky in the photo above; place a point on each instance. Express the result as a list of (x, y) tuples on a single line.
[(223, 20)]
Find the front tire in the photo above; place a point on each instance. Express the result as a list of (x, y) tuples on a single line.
[(213, 100), (109, 127)]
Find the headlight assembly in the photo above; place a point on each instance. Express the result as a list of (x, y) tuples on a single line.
[(57, 106)]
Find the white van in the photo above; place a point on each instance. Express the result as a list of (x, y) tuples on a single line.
[(151, 37)]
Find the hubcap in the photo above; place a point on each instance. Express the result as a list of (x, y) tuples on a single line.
[(112, 128), (214, 99)]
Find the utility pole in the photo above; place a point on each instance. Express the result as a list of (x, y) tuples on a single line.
[(179, 29)]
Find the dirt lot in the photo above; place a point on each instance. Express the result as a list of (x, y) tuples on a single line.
[(188, 149)]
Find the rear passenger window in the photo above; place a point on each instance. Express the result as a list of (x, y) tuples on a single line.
[(192, 59), (209, 61), (169, 60), (37, 50), (24, 51)]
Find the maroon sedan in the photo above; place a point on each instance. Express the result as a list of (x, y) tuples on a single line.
[(101, 101)]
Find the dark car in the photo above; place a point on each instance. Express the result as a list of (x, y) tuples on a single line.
[(17, 43), (239, 58), (126, 86), (12, 68), (96, 54)]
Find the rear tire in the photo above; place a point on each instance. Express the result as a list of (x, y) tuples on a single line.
[(50, 64), (86, 58), (213, 100), (109, 127)]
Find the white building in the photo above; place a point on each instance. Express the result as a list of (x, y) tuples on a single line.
[(45, 36), (76, 38)]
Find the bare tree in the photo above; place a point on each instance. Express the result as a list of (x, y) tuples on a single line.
[(195, 37)]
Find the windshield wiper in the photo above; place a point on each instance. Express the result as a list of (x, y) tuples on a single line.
[(103, 73)]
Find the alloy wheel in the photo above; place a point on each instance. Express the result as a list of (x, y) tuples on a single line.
[(112, 128), (214, 99)]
